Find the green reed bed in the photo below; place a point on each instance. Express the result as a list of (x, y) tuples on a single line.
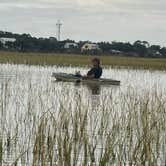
[(81, 60), (45, 128)]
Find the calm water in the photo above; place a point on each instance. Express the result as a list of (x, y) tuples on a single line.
[(24, 88), (138, 79)]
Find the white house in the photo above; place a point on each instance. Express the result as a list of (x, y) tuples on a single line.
[(157, 54), (116, 52), (89, 47), (70, 45), (4, 40)]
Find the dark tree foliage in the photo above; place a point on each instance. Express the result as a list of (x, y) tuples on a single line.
[(123, 47), (27, 43), (155, 48), (163, 51), (1, 45), (140, 48), (105, 46)]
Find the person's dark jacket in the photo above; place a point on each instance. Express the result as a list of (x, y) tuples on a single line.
[(96, 71)]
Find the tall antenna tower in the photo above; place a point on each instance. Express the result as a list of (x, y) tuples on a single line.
[(59, 25)]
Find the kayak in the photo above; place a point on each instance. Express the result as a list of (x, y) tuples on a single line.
[(72, 78)]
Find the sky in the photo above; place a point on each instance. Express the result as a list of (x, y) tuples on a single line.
[(95, 20)]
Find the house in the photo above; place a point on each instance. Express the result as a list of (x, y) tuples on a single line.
[(156, 54), (70, 45), (4, 40), (90, 47), (117, 52)]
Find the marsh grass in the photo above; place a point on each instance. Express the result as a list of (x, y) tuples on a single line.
[(58, 125), (81, 60), (78, 138)]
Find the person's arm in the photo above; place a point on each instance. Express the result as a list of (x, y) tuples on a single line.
[(90, 76), (91, 73)]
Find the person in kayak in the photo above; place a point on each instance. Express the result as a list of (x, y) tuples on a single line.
[(96, 71)]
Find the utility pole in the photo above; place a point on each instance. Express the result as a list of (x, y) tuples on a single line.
[(59, 25)]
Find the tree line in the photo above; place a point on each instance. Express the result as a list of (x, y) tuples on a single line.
[(27, 43)]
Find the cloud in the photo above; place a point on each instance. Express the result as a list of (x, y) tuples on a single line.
[(131, 6), (123, 20)]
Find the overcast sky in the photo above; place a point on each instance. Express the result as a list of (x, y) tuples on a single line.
[(96, 20)]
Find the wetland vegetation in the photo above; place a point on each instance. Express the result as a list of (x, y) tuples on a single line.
[(81, 60), (49, 123)]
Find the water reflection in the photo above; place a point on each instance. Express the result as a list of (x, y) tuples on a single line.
[(30, 93), (4, 77), (95, 91)]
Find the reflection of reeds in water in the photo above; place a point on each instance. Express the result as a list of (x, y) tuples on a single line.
[(94, 90), (56, 126)]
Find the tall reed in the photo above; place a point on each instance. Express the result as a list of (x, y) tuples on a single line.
[(44, 123)]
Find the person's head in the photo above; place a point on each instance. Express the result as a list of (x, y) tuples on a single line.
[(95, 62)]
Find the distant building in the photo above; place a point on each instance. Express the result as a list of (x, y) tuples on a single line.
[(70, 45), (116, 52), (89, 47), (4, 40), (156, 54)]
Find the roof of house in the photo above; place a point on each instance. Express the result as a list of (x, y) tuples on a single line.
[(5, 39), (90, 46), (67, 45)]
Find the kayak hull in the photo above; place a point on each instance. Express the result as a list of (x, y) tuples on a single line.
[(72, 78)]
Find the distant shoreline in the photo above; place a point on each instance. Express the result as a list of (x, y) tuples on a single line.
[(51, 59)]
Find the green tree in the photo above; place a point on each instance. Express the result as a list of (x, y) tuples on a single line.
[(140, 48), (1, 45), (163, 51)]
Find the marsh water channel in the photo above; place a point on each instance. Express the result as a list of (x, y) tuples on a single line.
[(44, 122)]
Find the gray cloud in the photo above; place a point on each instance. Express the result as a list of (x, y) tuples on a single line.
[(98, 20)]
